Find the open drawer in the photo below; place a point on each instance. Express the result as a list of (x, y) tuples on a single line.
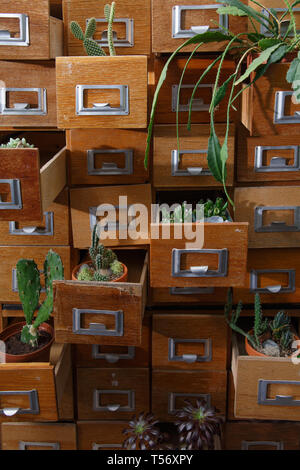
[(30, 180), (35, 391), (103, 312)]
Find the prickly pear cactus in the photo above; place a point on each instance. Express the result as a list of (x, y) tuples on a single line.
[(29, 287), (91, 46)]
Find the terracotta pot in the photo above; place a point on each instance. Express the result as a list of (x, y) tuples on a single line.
[(40, 355), (252, 352), (122, 278)]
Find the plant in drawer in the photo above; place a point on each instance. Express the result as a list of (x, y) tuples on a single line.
[(104, 265), (274, 338), (32, 340), (213, 212), (16, 144), (143, 433)]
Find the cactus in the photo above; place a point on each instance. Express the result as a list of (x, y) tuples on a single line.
[(109, 12), (85, 274), (260, 325), (91, 46), (29, 287), (16, 144), (116, 268)]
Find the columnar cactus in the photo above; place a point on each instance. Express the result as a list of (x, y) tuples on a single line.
[(104, 260), (109, 12), (29, 287)]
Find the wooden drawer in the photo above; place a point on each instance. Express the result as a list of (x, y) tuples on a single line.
[(190, 295), (112, 393), (54, 230), (38, 436), (167, 99), (267, 106), (100, 435), (120, 356), (265, 388), (32, 33), (10, 255), (131, 25), (273, 214), (171, 388), (261, 436), (269, 158), (35, 389), (274, 274), (86, 203), (81, 307), (188, 167), (31, 85), (189, 341), (100, 157), (224, 250), (121, 82)]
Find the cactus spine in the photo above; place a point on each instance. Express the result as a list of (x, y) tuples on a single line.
[(109, 12)]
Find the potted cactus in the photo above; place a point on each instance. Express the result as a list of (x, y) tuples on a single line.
[(31, 340), (104, 265)]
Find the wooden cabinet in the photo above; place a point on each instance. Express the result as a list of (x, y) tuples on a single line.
[(28, 32), (38, 436), (187, 167), (189, 341), (220, 262), (107, 92), (190, 295), (112, 393), (100, 435), (100, 157), (131, 25), (174, 22), (171, 388), (35, 391), (116, 210), (104, 313), (273, 214)]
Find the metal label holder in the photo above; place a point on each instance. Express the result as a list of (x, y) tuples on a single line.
[(177, 30), (98, 329), (33, 409), (173, 395), (102, 109), (277, 164), (23, 39), (129, 35), (110, 168), (247, 444), (200, 271), (52, 445), (198, 104), (191, 171), (113, 358), (280, 400), (23, 109), (189, 358), (48, 231), (276, 288), (16, 197), (114, 407), (279, 109), (276, 226)]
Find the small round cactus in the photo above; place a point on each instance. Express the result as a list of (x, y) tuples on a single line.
[(116, 268), (86, 274)]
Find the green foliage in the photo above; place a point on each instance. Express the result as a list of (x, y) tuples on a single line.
[(29, 287), (116, 268), (293, 77), (260, 325), (16, 144), (280, 324), (184, 212), (86, 274)]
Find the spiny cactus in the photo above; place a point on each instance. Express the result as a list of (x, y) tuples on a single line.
[(109, 12), (85, 274), (29, 287), (280, 323), (116, 267), (260, 325), (16, 143)]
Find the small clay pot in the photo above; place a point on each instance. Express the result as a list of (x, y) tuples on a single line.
[(122, 278), (40, 355), (252, 352)]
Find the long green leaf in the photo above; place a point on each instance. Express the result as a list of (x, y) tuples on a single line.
[(213, 155), (263, 57), (221, 92), (260, 18), (230, 10)]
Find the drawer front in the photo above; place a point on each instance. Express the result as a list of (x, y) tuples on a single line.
[(99, 157), (131, 25), (89, 206), (101, 92), (167, 99), (10, 255), (37, 436), (273, 274), (53, 230), (173, 23), (100, 435), (221, 261), (170, 389), (261, 436), (120, 356), (187, 167), (192, 342), (28, 98), (112, 393), (192, 295), (273, 214)]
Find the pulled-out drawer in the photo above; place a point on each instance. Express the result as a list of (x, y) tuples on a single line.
[(100, 435)]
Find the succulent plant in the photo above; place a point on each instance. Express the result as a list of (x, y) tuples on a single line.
[(116, 267), (29, 288), (184, 212), (16, 143), (142, 433), (198, 426), (85, 274)]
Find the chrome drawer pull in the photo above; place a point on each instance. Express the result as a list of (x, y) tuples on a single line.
[(198, 104), (199, 271), (279, 109), (280, 400), (52, 445), (47, 231), (112, 358), (255, 273), (129, 407), (277, 164), (190, 358), (177, 29), (104, 446), (110, 168), (6, 38), (190, 171), (173, 395), (33, 409), (110, 225), (15, 191), (102, 109), (23, 109), (129, 34), (191, 290), (14, 283), (276, 226), (283, 29), (246, 444), (98, 329)]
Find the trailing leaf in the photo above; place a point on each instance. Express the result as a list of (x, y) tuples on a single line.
[(293, 77), (268, 42), (214, 155), (221, 92), (255, 37), (230, 10), (263, 57)]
